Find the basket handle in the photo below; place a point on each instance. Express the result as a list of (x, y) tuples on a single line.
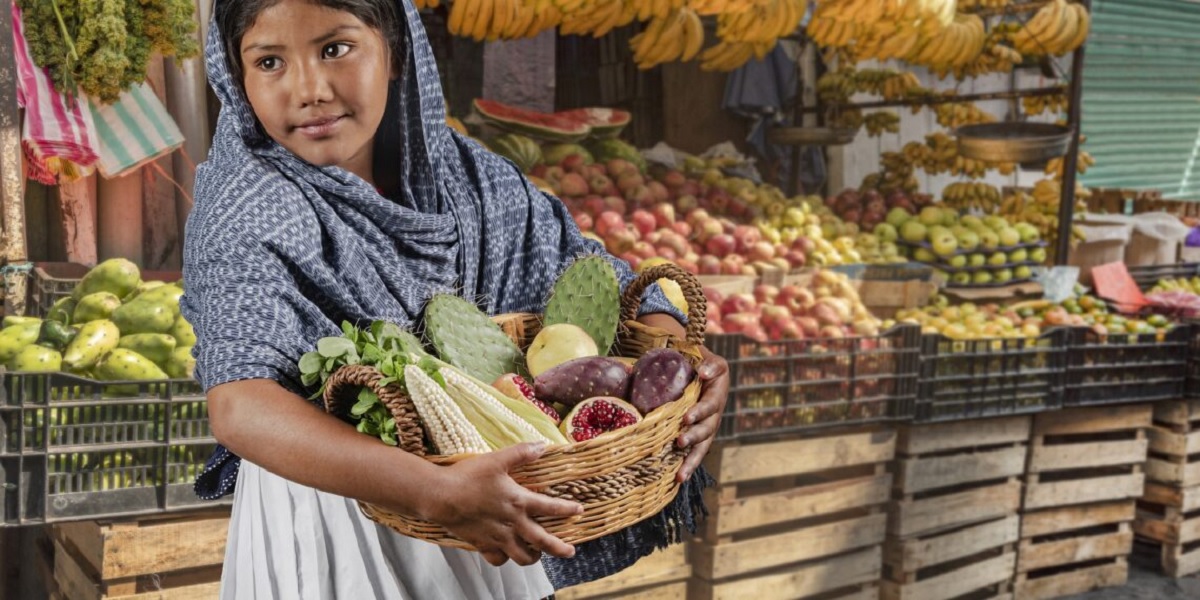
[(692, 292), (349, 378)]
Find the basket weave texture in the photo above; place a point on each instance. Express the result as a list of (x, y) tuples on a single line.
[(621, 477)]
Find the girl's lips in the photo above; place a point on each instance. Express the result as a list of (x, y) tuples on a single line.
[(319, 128)]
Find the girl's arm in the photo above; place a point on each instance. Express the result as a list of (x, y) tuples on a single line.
[(475, 499)]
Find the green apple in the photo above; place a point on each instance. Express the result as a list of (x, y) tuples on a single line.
[(897, 217), (949, 217), (1022, 273), (924, 255), (998, 260), (886, 232), (958, 261), (968, 240), (982, 278), (913, 231), (1020, 255), (889, 250), (930, 216), (944, 244), (1004, 276), (1038, 255), (988, 240), (1029, 233), (961, 279), (1009, 237), (995, 222), (977, 260), (971, 222)]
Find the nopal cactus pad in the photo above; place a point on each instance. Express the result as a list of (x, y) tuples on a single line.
[(588, 295), (465, 337)]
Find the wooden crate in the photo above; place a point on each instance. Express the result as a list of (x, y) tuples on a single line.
[(795, 518), (1174, 457), (1168, 521), (662, 575), (1074, 549), (162, 557), (1087, 455), (953, 474), (954, 515)]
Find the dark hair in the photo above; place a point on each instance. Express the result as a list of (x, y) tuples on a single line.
[(234, 17)]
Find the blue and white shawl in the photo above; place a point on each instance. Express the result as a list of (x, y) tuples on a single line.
[(279, 252)]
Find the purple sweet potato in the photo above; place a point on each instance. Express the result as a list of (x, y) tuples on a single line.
[(577, 380), (660, 376)]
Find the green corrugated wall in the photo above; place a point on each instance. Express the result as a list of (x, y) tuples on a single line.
[(1141, 96)]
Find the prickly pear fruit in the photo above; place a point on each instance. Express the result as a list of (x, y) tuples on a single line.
[(117, 276), (15, 337), (35, 358), (596, 416), (465, 337), (660, 376), (514, 386), (181, 364), (94, 307), (121, 364), (577, 380), (93, 341), (61, 310), (168, 295), (142, 287), (155, 346), (55, 335), (144, 315), (588, 295), (11, 320), (183, 333)]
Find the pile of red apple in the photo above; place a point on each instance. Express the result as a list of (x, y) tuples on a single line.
[(790, 312), (870, 208), (651, 219)]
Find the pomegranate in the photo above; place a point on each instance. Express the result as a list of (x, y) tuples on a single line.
[(596, 416), (514, 386)]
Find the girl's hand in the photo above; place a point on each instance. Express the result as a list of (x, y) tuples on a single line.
[(479, 502), (706, 415)]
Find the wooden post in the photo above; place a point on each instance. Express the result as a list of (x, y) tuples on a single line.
[(187, 101), (161, 230), (12, 179), (77, 204), (120, 217), (1066, 207)]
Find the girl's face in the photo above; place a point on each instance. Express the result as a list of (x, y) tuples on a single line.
[(317, 79)]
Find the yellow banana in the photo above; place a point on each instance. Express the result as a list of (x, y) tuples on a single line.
[(693, 35)]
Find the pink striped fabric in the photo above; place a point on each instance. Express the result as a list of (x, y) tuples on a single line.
[(59, 136)]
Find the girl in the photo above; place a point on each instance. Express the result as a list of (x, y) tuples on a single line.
[(334, 191)]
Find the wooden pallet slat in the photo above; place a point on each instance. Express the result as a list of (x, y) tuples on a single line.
[(912, 517), (1112, 574), (719, 561), (1175, 444), (1082, 491), (919, 474), (810, 579), (733, 463), (663, 574), (730, 515), (956, 583), (911, 555)]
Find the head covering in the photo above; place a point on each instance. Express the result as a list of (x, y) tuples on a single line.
[(278, 252)]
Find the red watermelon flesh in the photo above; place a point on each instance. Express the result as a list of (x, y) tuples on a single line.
[(547, 126), (605, 122)]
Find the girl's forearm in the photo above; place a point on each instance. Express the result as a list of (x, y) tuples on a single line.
[(269, 426)]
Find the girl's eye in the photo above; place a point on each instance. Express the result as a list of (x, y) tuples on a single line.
[(269, 63), (335, 50)]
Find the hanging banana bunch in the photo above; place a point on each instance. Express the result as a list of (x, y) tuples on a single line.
[(1056, 29), (597, 17), (1036, 105), (878, 123), (677, 36), (491, 20)]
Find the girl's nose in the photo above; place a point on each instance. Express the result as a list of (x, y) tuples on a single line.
[(312, 85)]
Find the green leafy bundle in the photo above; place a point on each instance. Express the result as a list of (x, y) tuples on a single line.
[(103, 47)]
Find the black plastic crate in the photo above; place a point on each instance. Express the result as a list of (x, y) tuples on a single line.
[(797, 385), (74, 448), (968, 379), (1148, 275), (1126, 368)]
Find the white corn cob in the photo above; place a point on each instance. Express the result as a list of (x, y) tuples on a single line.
[(464, 390), (448, 427)]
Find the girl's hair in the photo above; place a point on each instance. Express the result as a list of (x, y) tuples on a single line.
[(234, 17)]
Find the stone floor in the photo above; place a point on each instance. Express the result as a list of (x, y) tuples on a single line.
[(1147, 583)]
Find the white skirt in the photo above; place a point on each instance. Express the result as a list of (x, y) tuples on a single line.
[(292, 542)]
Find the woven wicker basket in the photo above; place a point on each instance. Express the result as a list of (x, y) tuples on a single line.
[(621, 477)]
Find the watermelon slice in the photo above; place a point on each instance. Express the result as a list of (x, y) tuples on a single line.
[(545, 126), (605, 122)]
